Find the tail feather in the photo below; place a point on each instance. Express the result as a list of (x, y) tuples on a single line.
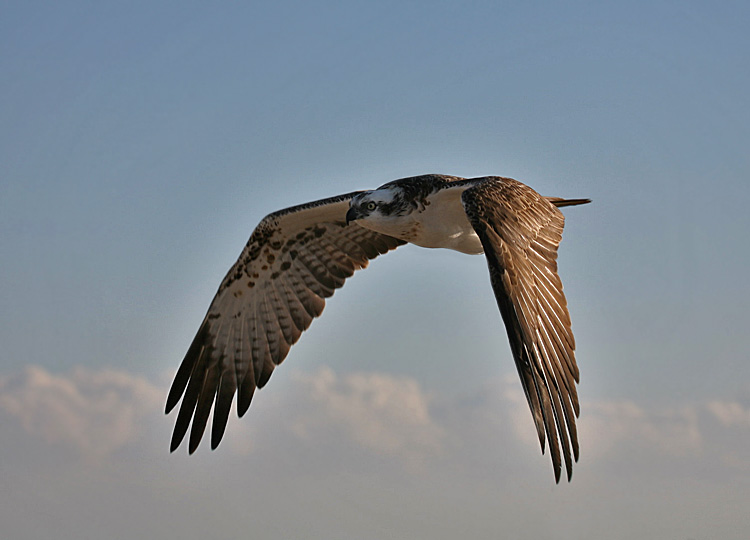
[(559, 201)]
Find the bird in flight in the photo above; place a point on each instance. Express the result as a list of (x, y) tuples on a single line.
[(297, 257)]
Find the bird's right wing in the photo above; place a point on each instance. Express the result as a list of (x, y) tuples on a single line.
[(295, 258), (520, 231)]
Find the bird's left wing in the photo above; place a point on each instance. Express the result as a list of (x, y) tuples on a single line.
[(294, 259), (520, 231)]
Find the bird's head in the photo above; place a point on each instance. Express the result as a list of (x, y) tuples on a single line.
[(377, 207)]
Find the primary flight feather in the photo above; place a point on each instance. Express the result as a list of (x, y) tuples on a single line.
[(297, 257)]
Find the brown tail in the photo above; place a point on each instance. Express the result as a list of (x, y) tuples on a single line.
[(559, 201)]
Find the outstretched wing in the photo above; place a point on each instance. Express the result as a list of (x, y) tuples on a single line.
[(520, 231), (294, 259)]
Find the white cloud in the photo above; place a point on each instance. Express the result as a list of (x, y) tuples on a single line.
[(92, 412), (477, 452), (97, 412), (730, 413), (730, 434), (607, 430), (386, 414), (608, 427)]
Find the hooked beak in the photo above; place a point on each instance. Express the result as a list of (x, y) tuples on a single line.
[(351, 215)]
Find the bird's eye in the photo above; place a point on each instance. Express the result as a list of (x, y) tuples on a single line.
[(371, 206)]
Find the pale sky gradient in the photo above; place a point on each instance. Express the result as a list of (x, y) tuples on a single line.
[(141, 142)]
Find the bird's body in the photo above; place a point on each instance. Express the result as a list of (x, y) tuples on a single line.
[(298, 256), (438, 220)]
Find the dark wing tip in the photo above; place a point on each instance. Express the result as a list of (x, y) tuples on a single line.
[(216, 435), (182, 377), (186, 386), (245, 393), (177, 437), (171, 402), (222, 406)]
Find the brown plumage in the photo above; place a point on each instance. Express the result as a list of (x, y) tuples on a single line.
[(299, 256)]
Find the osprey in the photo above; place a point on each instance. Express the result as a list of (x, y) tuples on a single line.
[(299, 256)]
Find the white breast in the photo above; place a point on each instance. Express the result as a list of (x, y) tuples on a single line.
[(440, 223), (443, 224)]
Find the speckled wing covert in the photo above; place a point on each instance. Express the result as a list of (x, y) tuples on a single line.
[(520, 231), (295, 258)]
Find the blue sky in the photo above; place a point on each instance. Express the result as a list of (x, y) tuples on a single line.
[(140, 144)]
